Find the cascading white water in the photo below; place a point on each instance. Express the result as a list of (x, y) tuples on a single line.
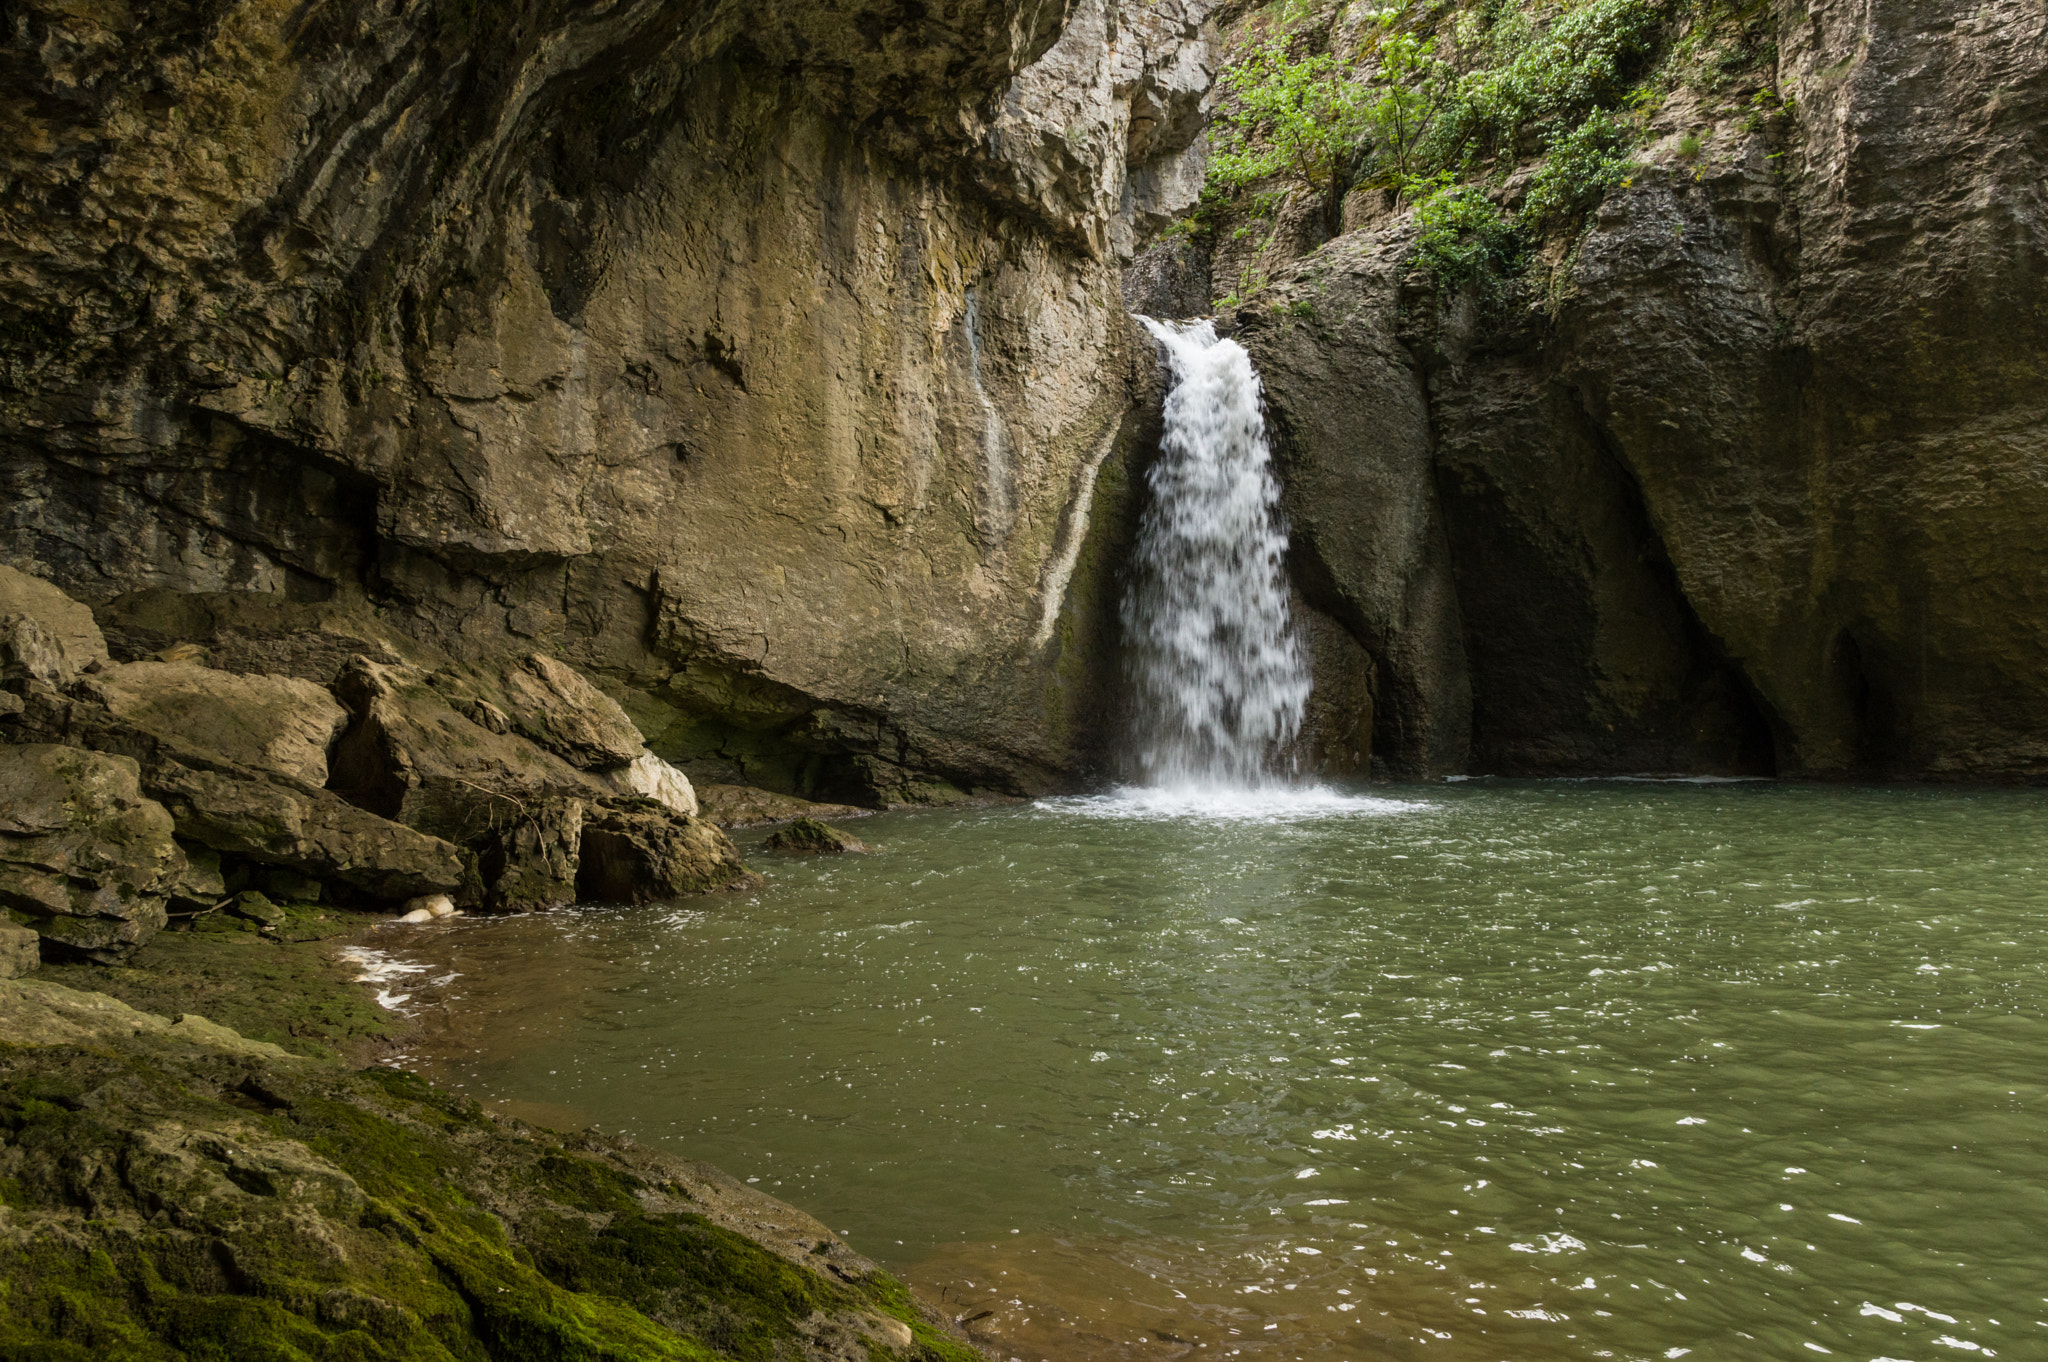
[(1221, 675)]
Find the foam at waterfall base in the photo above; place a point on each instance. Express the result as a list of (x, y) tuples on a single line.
[(1213, 803)]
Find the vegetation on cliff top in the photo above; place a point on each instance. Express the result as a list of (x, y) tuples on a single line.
[(1501, 122)]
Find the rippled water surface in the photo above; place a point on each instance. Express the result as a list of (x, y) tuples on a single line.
[(1485, 1071)]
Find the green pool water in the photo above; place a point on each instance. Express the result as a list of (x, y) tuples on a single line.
[(1487, 1070)]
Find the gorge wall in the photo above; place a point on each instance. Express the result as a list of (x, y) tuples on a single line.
[(768, 364), (1760, 486), (761, 361)]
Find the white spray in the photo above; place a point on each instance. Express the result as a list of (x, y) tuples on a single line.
[(1221, 675)]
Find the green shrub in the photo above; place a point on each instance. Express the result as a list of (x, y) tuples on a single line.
[(1406, 114), (1582, 166), (1461, 237), (1298, 118), (1532, 85)]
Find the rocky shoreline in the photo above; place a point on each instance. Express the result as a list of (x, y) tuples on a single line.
[(175, 1188), (197, 1155)]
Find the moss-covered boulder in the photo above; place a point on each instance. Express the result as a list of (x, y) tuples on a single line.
[(174, 1190)]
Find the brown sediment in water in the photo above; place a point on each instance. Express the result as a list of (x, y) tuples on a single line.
[(1039, 1299)]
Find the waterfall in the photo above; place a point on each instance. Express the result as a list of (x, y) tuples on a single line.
[(1220, 672)]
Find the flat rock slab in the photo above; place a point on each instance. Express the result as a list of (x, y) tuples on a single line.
[(743, 806), (273, 723), (37, 1013)]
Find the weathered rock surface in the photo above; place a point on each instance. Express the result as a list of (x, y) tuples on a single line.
[(533, 864), (236, 762), (273, 822), (44, 635), (273, 723), (546, 703), (636, 851), (21, 950), (809, 837), (411, 756), (1351, 444), (652, 778), (1820, 355), (253, 633), (83, 855), (531, 818), (261, 816), (761, 361)]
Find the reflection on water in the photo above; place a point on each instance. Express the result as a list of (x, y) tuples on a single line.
[(1488, 1071)]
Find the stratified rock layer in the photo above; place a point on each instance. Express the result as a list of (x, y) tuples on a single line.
[(760, 360), (84, 857)]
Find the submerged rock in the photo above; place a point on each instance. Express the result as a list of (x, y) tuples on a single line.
[(83, 854), (807, 836)]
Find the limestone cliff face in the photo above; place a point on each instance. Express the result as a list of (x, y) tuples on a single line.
[(763, 360), (1764, 489)]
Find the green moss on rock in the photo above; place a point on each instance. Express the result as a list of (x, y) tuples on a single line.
[(166, 1200)]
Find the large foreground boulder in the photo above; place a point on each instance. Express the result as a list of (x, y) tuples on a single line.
[(84, 856), (152, 1213), (252, 814), (474, 755), (276, 822)]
